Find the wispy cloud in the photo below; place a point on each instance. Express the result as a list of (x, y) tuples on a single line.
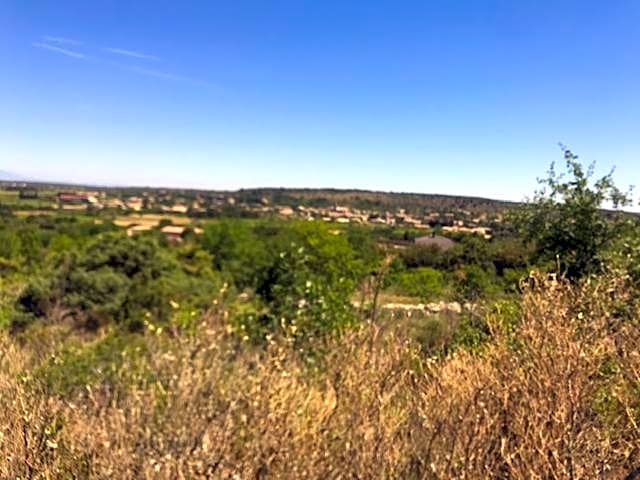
[(63, 51), (50, 44), (62, 40), (131, 53)]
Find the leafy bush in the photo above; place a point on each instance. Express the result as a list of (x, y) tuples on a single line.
[(303, 273), (473, 283), (424, 283), (237, 250), (565, 220), (303, 302), (425, 256), (117, 279)]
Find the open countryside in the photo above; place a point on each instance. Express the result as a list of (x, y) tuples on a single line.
[(319, 240)]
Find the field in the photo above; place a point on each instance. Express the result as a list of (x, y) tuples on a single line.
[(11, 199)]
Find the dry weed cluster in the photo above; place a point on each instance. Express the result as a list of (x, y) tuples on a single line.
[(555, 397)]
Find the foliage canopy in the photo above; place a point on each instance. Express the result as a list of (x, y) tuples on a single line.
[(565, 220)]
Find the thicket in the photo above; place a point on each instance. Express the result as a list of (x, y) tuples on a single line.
[(116, 279), (241, 354), (554, 395), (473, 268), (293, 276)]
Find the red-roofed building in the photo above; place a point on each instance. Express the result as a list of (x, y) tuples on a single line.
[(73, 198)]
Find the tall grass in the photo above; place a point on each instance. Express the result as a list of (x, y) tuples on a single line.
[(555, 396)]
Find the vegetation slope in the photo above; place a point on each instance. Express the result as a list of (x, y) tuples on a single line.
[(243, 353)]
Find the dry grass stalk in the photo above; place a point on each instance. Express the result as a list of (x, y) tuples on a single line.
[(557, 399)]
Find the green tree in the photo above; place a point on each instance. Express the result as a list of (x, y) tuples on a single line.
[(473, 283), (237, 250), (424, 282), (10, 244), (432, 256), (364, 246), (565, 221), (116, 278), (303, 301), (308, 285)]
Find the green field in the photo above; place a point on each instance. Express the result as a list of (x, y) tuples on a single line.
[(10, 198)]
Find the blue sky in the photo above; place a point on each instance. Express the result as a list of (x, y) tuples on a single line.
[(462, 97)]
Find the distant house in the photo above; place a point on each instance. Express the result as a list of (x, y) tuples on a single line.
[(72, 198), (438, 241), (135, 229), (485, 232), (375, 218), (134, 203), (173, 233), (179, 208), (78, 200), (286, 211), (114, 203)]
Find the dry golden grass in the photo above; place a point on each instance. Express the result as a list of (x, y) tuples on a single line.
[(558, 397), (150, 219)]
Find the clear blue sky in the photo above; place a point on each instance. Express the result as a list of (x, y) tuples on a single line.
[(464, 97)]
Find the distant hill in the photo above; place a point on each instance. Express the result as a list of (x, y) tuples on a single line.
[(310, 197), (373, 200)]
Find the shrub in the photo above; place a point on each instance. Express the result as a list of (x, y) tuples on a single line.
[(473, 283), (304, 301), (424, 283), (560, 402), (565, 220), (117, 279)]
